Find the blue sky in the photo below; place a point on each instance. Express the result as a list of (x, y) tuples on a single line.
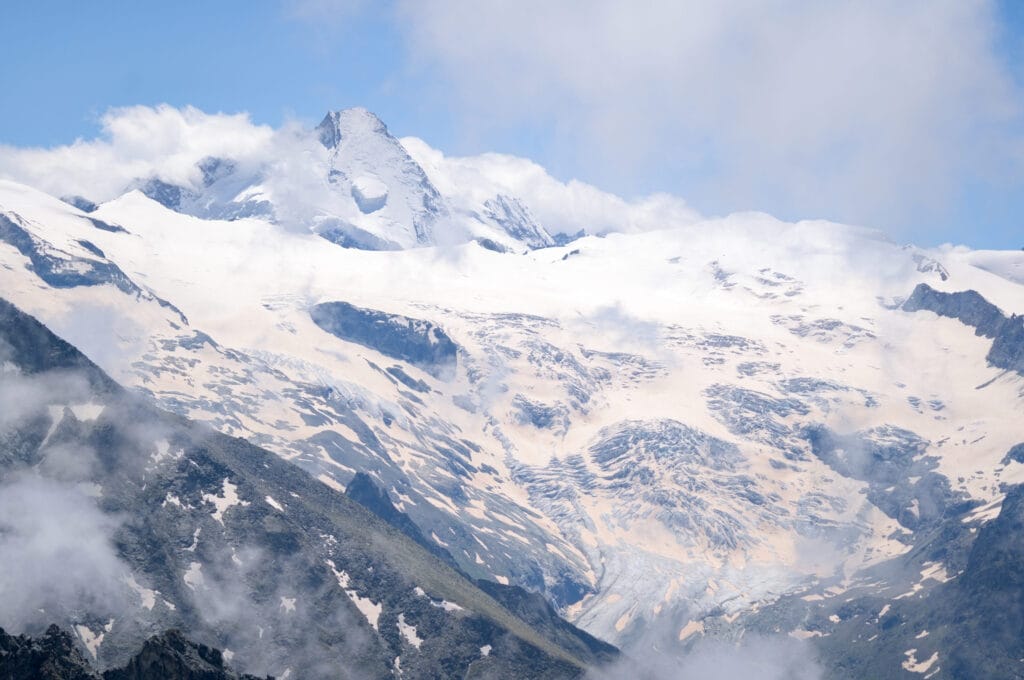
[(730, 115)]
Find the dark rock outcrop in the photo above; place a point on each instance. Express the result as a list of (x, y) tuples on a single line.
[(54, 656), (31, 347), (80, 202), (416, 341), (60, 269), (902, 481), (1015, 454), (988, 612), (970, 308), (172, 656), (51, 656)]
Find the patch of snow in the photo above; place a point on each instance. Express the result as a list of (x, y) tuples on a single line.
[(691, 628), (163, 452), (147, 596), (485, 650), (331, 482), (228, 498), (86, 412), (288, 604), (195, 540), (193, 577), (446, 605), (274, 504), (408, 631), (914, 666), (91, 640), (369, 609)]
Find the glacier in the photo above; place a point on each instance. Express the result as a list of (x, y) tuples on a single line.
[(667, 421)]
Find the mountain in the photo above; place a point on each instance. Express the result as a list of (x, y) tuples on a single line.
[(351, 182), (674, 437), (170, 525)]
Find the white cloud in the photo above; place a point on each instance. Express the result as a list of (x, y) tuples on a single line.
[(562, 207), (137, 142), (865, 112)]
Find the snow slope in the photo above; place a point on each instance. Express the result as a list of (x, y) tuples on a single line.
[(630, 425)]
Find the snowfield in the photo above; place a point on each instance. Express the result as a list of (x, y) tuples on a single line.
[(627, 426)]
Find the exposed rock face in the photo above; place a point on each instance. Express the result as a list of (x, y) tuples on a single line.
[(54, 656), (515, 218), (80, 202), (172, 656), (988, 614), (28, 345), (418, 342), (164, 193), (1016, 453), (902, 481), (530, 607), (61, 269), (51, 656), (969, 307), (1008, 345)]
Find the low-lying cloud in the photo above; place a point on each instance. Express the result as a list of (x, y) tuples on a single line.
[(57, 552), (765, 658)]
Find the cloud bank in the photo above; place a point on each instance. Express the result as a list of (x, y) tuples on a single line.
[(873, 112)]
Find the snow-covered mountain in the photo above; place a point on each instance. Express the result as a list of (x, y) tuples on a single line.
[(350, 181), (677, 425)]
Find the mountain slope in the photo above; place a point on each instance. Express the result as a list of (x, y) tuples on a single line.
[(222, 539), (656, 420), (672, 430)]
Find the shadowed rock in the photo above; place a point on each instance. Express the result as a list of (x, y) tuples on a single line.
[(415, 341)]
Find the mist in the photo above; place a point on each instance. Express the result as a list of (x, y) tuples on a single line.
[(661, 657), (58, 555)]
